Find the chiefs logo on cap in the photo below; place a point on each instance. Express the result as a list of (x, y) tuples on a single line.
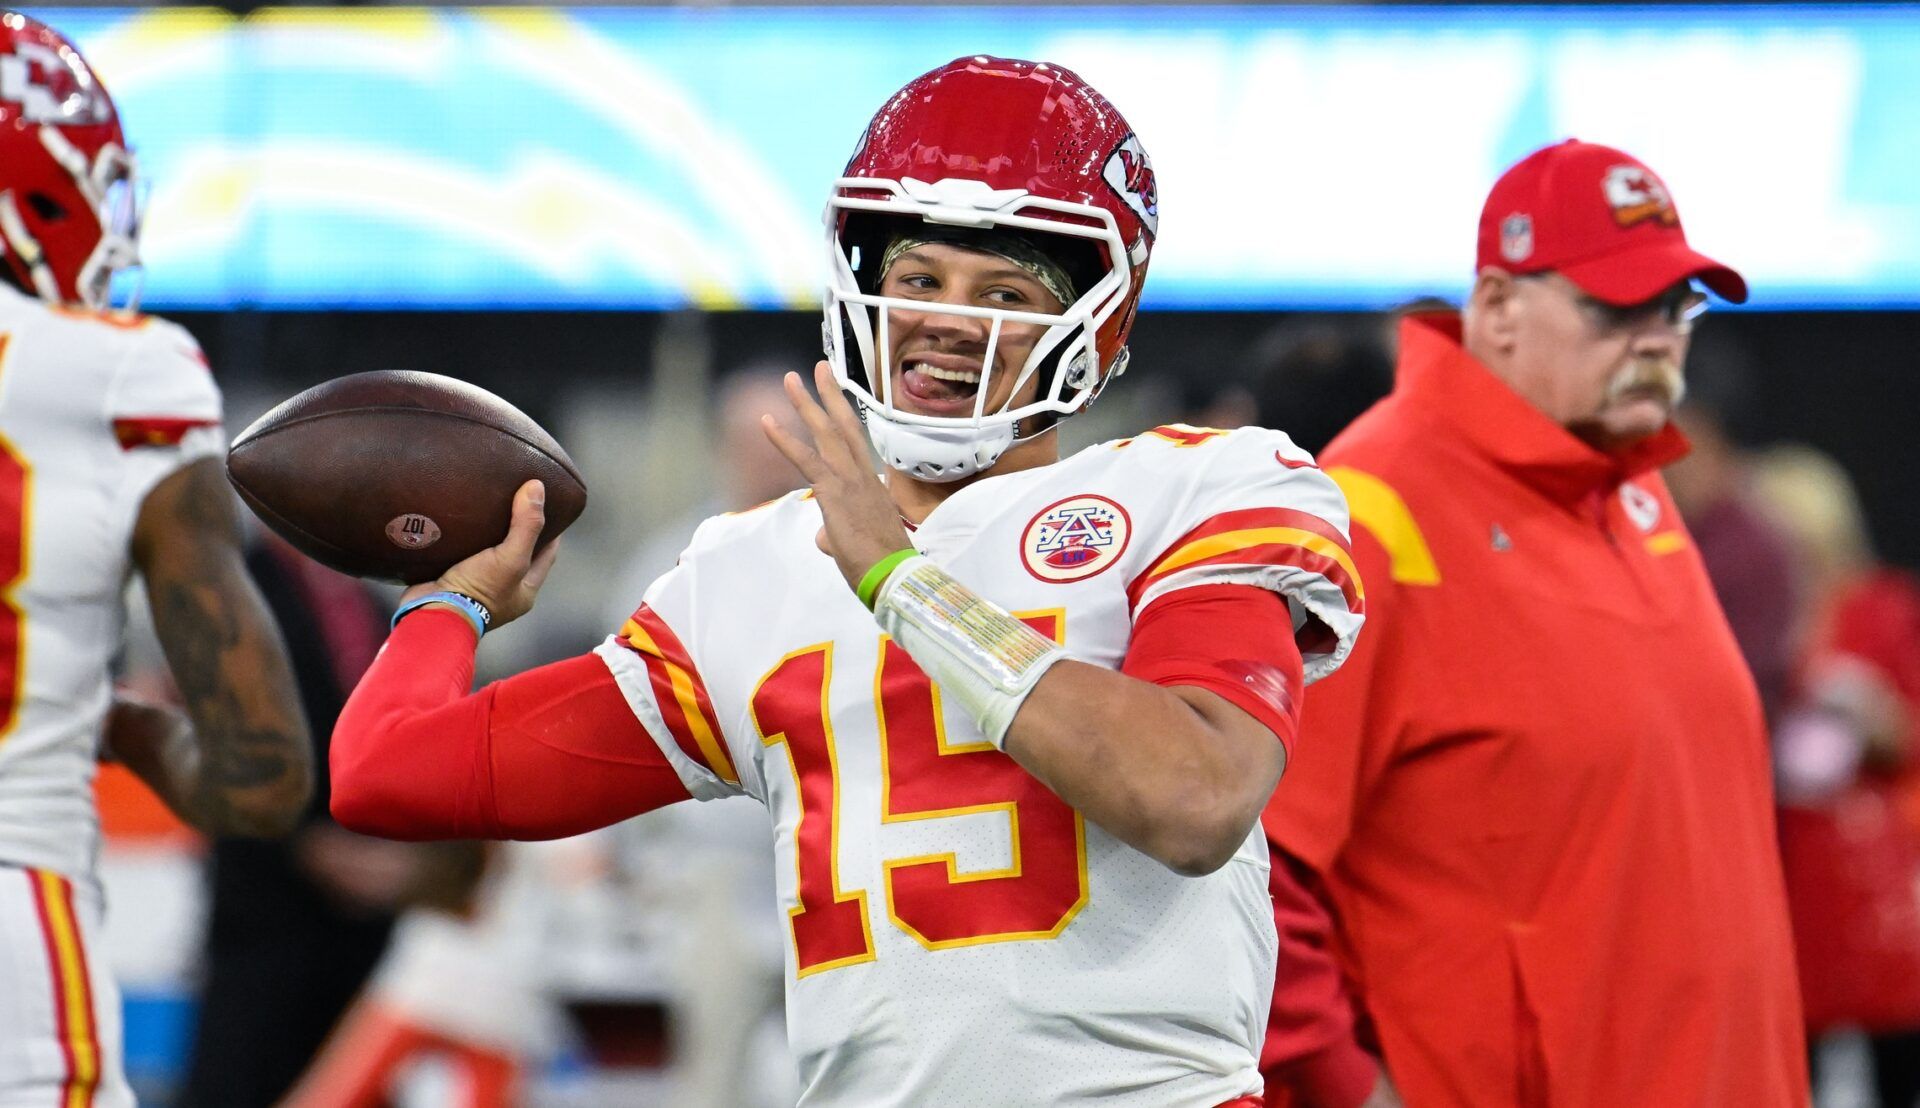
[(1636, 196)]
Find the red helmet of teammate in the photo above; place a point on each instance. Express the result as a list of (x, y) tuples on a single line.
[(68, 211), (1025, 155)]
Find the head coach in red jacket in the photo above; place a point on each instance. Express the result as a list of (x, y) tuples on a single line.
[(1526, 855)]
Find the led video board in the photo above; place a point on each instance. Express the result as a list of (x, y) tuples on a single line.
[(669, 157)]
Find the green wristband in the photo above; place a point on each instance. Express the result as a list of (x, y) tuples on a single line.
[(877, 576)]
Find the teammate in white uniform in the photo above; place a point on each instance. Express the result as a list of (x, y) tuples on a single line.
[(1014, 716), (109, 462)]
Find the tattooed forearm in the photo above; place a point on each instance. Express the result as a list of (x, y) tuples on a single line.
[(248, 770), (216, 667)]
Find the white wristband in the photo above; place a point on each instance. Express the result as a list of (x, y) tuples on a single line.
[(982, 658)]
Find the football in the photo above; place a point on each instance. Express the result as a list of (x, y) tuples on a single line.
[(398, 475)]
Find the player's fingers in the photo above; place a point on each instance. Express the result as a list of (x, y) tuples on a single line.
[(529, 518), (825, 438), (838, 409), (542, 565), (804, 403), (804, 457)]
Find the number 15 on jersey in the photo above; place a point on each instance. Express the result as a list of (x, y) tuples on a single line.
[(922, 777)]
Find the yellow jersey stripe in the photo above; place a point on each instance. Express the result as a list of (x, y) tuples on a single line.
[(710, 745), (1229, 541)]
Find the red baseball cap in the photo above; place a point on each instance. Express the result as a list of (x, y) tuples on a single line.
[(1600, 217)]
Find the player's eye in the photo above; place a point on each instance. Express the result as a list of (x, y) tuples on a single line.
[(1005, 295)]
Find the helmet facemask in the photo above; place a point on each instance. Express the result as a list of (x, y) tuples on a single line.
[(1065, 359), (123, 195)]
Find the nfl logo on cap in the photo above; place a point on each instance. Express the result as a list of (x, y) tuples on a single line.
[(1516, 237)]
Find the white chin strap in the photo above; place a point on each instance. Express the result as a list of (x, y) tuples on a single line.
[(937, 454)]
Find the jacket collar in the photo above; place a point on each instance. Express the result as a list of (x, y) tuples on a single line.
[(1437, 376)]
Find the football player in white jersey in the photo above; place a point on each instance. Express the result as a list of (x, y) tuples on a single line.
[(109, 464), (1014, 716)]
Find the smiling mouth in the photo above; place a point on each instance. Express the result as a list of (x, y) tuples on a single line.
[(938, 390)]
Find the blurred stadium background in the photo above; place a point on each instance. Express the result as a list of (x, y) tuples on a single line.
[(603, 213)]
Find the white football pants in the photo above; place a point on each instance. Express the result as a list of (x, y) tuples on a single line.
[(60, 1044)]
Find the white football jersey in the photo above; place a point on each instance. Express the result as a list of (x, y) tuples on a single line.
[(957, 934), (93, 413)]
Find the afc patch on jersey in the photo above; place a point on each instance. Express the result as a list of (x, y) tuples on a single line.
[(1075, 538)]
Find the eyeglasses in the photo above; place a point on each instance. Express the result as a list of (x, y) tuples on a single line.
[(1680, 307)]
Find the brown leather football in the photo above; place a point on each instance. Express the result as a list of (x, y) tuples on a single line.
[(397, 474)]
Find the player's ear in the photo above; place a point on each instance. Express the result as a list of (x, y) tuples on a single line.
[(1491, 315)]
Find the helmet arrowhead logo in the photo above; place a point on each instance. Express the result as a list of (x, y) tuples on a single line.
[(50, 87), (1130, 174)]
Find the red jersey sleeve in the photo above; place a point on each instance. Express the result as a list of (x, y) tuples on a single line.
[(1233, 640), (544, 754), (1252, 510)]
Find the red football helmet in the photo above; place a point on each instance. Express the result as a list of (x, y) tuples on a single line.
[(69, 209), (1013, 146)]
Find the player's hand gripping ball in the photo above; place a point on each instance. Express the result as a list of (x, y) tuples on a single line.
[(398, 475)]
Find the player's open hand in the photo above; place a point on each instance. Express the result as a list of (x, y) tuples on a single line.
[(506, 577), (862, 522)]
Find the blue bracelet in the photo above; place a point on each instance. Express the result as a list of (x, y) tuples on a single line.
[(475, 611)]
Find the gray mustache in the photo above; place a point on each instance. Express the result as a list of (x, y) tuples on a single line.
[(1663, 374)]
